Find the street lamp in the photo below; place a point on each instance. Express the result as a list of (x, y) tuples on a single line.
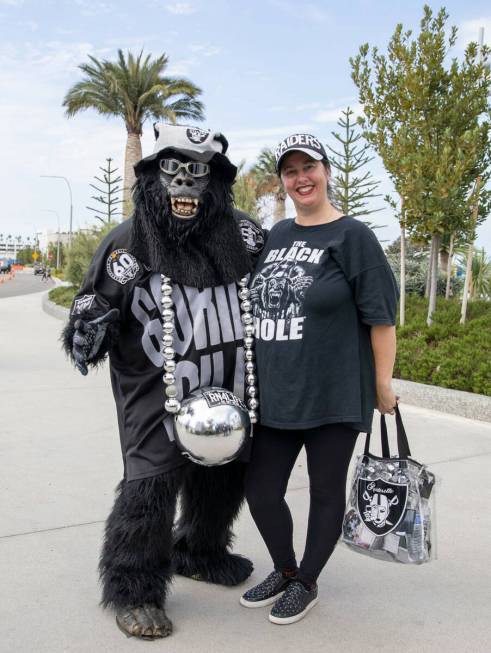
[(71, 203), (58, 239)]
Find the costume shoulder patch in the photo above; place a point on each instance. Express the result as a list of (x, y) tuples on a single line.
[(252, 235), (82, 304), (122, 266)]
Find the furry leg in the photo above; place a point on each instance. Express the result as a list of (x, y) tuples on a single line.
[(210, 501), (135, 564)]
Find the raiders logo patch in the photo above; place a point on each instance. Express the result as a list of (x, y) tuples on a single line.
[(122, 266), (82, 304), (252, 235), (223, 398), (197, 135), (381, 504)]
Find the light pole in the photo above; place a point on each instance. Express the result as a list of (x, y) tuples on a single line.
[(71, 204), (58, 238)]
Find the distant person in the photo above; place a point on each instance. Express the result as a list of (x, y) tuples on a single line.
[(324, 303)]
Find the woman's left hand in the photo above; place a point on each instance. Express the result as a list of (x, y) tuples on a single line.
[(386, 399)]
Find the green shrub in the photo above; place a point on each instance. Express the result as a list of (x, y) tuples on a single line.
[(448, 353), (82, 251), (63, 295)]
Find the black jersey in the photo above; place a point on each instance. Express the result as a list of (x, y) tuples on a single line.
[(316, 292), (208, 341)]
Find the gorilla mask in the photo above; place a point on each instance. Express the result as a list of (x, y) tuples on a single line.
[(184, 181)]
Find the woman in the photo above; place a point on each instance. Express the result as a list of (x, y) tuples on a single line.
[(324, 302)]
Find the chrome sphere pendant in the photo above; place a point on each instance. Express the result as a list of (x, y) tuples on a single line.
[(211, 425)]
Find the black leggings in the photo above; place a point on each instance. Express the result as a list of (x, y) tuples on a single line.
[(329, 449)]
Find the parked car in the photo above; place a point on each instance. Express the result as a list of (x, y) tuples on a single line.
[(5, 265)]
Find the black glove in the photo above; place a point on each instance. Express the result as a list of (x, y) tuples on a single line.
[(88, 338)]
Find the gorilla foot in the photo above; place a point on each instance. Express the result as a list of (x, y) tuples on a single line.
[(145, 622), (223, 569)]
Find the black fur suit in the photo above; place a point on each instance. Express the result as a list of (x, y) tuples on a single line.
[(117, 312)]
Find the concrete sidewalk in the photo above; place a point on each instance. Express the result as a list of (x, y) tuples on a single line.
[(61, 461)]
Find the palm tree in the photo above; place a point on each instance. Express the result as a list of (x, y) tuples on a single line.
[(134, 89), (481, 276), (269, 182)]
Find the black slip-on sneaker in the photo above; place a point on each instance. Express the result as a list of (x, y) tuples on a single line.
[(266, 592), (294, 604)]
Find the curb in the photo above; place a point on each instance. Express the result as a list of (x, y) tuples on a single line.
[(455, 402)]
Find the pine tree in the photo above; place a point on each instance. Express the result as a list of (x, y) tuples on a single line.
[(351, 192), (109, 195)]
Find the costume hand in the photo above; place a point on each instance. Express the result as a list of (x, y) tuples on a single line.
[(386, 399), (88, 338)]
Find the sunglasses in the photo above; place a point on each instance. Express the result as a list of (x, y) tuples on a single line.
[(193, 168)]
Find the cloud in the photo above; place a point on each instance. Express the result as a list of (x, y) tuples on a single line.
[(11, 3), (333, 115), (309, 11), (181, 8), (205, 49)]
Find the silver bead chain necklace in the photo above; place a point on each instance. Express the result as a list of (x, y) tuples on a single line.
[(172, 403)]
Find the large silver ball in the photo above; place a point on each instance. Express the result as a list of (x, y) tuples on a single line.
[(168, 327), (164, 279), (246, 318), (248, 342), (250, 367), (167, 340), (172, 405), (253, 404), (170, 365), (244, 293), (246, 305), (169, 378), (166, 289), (249, 355), (171, 391), (249, 330), (167, 302), (244, 281), (251, 391), (253, 416), (168, 353), (168, 315), (251, 379), (212, 426)]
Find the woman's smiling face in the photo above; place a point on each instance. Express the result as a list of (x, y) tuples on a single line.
[(305, 180)]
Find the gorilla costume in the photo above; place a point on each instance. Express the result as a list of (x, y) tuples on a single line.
[(183, 227)]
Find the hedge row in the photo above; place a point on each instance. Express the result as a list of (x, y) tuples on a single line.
[(447, 354)]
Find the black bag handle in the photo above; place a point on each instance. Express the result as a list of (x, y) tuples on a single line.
[(402, 441)]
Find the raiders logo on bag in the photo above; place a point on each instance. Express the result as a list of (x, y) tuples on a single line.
[(381, 504), (197, 135), (122, 266)]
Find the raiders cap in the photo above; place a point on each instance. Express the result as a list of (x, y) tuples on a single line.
[(198, 144), (305, 143)]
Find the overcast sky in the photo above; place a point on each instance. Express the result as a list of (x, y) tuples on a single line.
[(267, 68)]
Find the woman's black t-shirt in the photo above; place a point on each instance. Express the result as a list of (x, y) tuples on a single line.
[(316, 292)]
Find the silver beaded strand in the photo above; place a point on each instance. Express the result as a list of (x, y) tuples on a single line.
[(172, 403), (251, 394)]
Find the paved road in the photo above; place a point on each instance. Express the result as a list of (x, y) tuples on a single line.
[(24, 283), (61, 461)]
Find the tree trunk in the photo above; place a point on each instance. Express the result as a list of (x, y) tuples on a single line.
[(402, 299), (444, 261), (449, 266), (279, 209), (133, 154), (428, 273), (468, 271), (435, 248)]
